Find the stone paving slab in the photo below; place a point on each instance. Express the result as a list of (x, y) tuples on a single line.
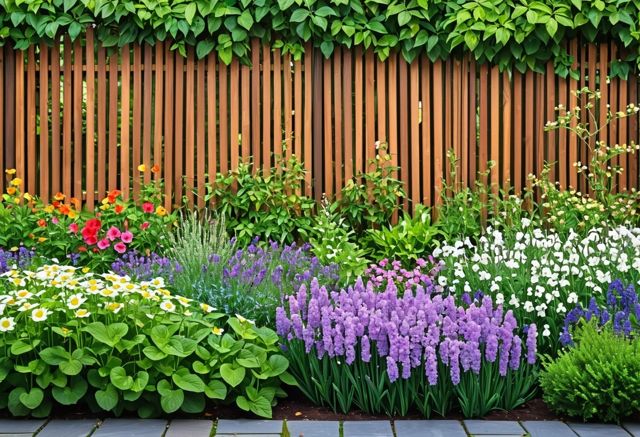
[(367, 428), (248, 435), (68, 428), (189, 428), (249, 426), (429, 428), (131, 428), (493, 427), (542, 428), (598, 430), (11, 426), (313, 428), (632, 428)]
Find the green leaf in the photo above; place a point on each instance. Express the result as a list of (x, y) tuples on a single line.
[(172, 400), (552, 27), (109, 335), (232, 376), (153, 353), (20, 347), (190, 12), (216, 390), (326, 48), (194, 403), (403, 18), (72, 393), (245, 20), (16, 407), (120, 379), (71, 367), (285, 4), (577, 4), (299, 15), (33, 398), (140, 381), (107, 399), (54, 355), (471, 40), (188, 381)]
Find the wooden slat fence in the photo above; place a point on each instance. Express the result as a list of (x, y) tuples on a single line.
[(80, 119)]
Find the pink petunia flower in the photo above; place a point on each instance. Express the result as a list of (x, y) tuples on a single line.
[(103, 244), (73, 227), (126, 237), (148, 207), (120, 247), (113, 233)]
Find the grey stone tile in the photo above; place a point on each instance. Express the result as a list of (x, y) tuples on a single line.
[(190, 428), (632, 428), (68, 428), (543, 428), (598, 430), (13, 426), (487, 427), (367, 428), (313, 428), (131, 428), (249, 426), (429, 428), (249, 435)]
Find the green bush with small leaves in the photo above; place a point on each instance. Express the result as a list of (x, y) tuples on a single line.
[(598, 378)]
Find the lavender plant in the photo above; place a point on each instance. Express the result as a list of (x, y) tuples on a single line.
[(142, 267), (382, 352), (423, 273)]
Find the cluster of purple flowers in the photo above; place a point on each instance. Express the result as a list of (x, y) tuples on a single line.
[(20, 258), (145, 267), (423, 273), (621, 305), (409, 331)]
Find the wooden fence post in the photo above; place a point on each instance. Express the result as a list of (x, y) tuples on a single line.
[(9, 109), (317, 125)]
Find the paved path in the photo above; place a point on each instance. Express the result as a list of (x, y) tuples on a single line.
[(304, 428)]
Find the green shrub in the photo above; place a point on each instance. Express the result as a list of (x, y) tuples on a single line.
[(412, 238), (598, 378), (71, 337)]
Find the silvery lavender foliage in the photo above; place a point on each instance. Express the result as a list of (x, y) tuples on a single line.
[(145, 267), (621, 307), (20, 258), (415, 330)]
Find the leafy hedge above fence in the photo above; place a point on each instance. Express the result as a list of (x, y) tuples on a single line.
[(524, 34)]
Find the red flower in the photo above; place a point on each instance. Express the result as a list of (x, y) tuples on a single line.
[(144, 226), (82, 249), (64, 209), (119, 209), (42, 223), (91, 240), (93, 224), (148, 207), (73, 227)]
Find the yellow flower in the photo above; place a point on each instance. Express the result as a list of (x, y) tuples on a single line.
[(206, 308), (86, 270), (11, 191), (82, 313), (161, 211), (142, 168), (72, 214), (27, 196), (42, 239), (217, 331), (49, 209), (7, 324), (114, 306), (105, 207), (10, 171), (16, 182)]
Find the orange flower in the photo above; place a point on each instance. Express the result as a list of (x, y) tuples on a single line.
[(59, 196), (11, 191), (82, 249), (113, 195), (55, 204), (64, 209), (155, 169), (119, 209), (42, 223), (161, 211), (75, 202)]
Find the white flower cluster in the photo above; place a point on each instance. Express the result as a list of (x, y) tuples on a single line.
[(538, 272)]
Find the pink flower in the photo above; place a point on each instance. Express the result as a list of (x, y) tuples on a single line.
[(113, 233), (126, 237), (144, 226), (103, 244), (120, 247), (148, 207), (73, 227), (55, 220)]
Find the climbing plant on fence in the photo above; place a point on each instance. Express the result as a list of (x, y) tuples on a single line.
[(524, 34)]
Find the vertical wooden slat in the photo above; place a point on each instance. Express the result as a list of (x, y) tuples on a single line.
[(381, 94), (178, 158), (427, 182), (573, 142), (438, 139), (455, 110), (297, 109), (113, 121), (414, 102), (448, 113), (563, 177), (404, 128), (245, 110), (506, 129), (529, 111), (464, 120), (212, 131), (125, 102), (495, 127), (235, 112), (201, 158), (255, 103), (517, 132), (593, 85), (338, 123), (308, 92), (550, 116), (266, 109), (370, 111), (358, 103), (158, 102), (90, 135), (540, 122), (19, 112), (67, 118), (288, 91), (328, 131), (148, 112), (277, 102), (43, 188), (168, 124), (3, 165), (473, 115), (483, 154), (101, 125), (224, 126), (623, 101), (31, 158), (603, 70), (136, 155), (633, 134), (190, 128), (347, 116)]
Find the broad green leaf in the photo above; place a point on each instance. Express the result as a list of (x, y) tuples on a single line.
[(107, 399), (188, 381), (72, 393), (172, 400), (32, 399), (216, 390), (190, 12), (232, 376), (109, 335), (120, 379)]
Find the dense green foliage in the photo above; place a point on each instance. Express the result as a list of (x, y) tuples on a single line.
[(599, 378), (524, 34)]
